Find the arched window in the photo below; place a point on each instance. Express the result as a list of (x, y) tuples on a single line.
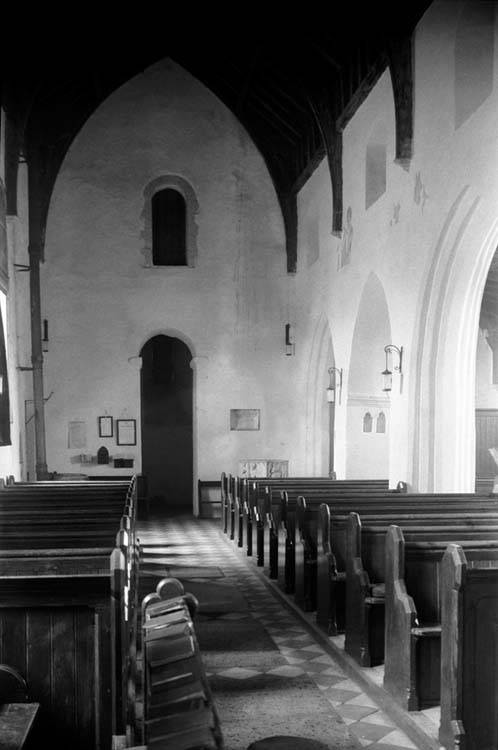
[(474, 58), (381, 422), (169, 230), (367, 422), (169, 214), (375, 165)]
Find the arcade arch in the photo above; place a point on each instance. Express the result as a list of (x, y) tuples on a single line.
[(368, 450)]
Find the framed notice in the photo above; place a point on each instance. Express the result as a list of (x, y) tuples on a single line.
[(126, 431), (244, 419), (76, 437), (106, 427)]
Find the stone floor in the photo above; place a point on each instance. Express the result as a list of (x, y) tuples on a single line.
[(196, 549)]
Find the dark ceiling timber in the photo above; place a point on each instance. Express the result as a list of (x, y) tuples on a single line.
[(293, 85)]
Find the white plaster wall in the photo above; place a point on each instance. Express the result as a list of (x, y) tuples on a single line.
[(102, 304), (367, 454), (486, 390), (13, 294), (430, 239)]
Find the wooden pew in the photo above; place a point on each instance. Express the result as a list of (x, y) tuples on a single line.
[(240, 497), (297, 534), (413, 590), (365, 571), (64, 627), (469, 690), (276, 510), (93, 588), (254, 496), (332, 545)]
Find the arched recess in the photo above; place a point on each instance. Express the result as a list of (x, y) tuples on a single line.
[(444, 369), (368, 451), (319, 429), (167, 421)]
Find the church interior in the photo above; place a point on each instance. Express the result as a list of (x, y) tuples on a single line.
[(249, 349)]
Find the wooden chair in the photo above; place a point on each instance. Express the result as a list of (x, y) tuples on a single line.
[(179, 712)]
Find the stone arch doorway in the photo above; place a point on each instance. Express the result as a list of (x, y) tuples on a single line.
[(367, 454), (167, 422)]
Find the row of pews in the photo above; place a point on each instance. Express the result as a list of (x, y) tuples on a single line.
[(69, 567), (410, 579)]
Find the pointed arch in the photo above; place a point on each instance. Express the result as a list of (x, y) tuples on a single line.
[(443, 377)]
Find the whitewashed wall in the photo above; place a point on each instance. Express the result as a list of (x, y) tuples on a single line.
[(102, 304), (14, 291), (429, 239)]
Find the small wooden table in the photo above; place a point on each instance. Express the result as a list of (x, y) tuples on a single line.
[(16, 720)]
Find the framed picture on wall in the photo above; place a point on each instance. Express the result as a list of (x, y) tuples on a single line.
[(106, 428), (244, 419), (126, 431)]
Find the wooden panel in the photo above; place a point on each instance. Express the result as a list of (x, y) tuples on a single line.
[(469, 690), (58, 647), (480, 687), (486, 437), (13, 638), (422, 581)]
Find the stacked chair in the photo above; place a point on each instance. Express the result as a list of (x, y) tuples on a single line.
[(178, 713)]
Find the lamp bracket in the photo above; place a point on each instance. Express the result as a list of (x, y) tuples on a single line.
[(399, 351)]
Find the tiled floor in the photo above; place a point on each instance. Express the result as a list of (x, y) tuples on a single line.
[(200, 542)]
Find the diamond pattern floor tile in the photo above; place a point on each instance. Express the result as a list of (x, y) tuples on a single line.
[(190, 543)]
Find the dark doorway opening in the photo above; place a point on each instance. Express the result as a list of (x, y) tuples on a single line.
[(167, 424)]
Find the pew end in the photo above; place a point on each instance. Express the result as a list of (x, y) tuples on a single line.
[(469, 691)]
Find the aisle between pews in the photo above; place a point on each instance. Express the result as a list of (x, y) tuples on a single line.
[(236, 598)]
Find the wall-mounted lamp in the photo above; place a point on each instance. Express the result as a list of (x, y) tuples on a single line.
[(290, 347), (335, 384), (45, 336), (387, 374)]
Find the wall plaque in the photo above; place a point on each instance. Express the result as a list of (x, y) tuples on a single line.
[(244, 419)]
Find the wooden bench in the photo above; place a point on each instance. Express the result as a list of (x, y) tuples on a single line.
[(68, 607), (294, 537), (413, 589), (255, 496), (263, 507), (469, 644), (66, 630), (276, 509), (332, 545), (365, 572)]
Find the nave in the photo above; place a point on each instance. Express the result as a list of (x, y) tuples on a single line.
[(272, 672)]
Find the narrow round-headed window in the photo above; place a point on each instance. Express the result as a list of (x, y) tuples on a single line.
[(169, 228), (367, 422), (381, 422)]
